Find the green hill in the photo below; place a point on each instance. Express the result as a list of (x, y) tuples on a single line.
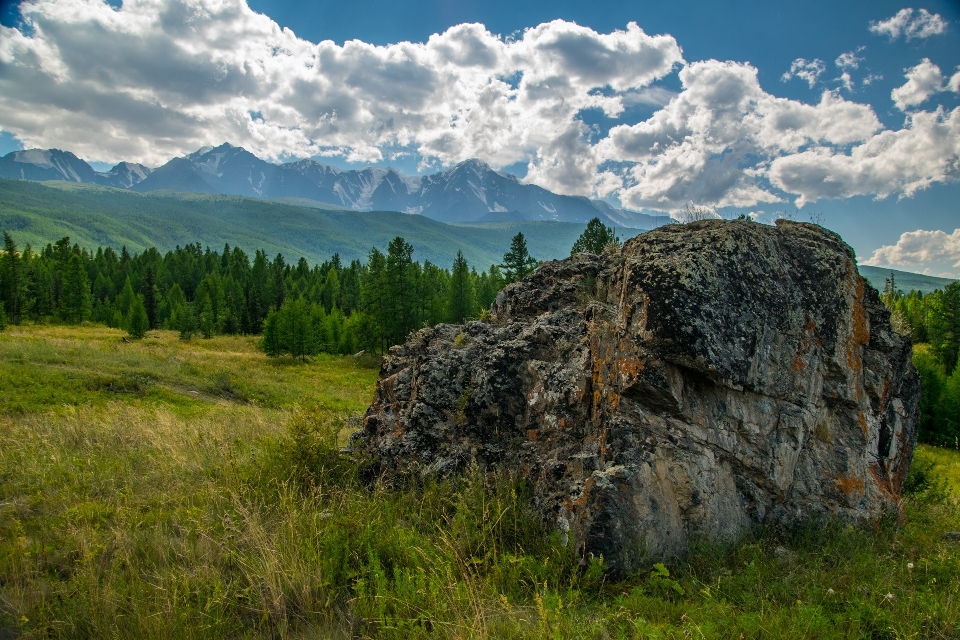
[(905, 280), (38, 213)]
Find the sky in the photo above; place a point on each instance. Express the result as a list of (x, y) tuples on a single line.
[(843, 113)]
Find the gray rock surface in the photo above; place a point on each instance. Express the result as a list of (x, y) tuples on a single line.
[(708, 377)]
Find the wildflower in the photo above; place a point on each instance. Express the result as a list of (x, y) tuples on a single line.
[(910, 566), (830, 592), (888, 597)]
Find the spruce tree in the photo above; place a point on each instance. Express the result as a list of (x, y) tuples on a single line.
[(139, 322), (151, 297), (75, 298), (399, 290), (461, 301), (595, 238), (11, 279), (517, 263)]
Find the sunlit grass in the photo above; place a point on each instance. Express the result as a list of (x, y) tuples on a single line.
[(163, 489)]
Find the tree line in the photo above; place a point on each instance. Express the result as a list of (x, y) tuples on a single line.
[(301, 309), (933, 322)]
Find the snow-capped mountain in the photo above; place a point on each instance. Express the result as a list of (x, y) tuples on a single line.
[(54, 164), (468, 192)]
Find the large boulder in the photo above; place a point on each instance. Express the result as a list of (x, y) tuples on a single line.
[(709, 377)]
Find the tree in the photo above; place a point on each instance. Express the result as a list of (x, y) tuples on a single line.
[(517, 263), (75, 298), (399, 290), (461, 301), (151, 297), (139, 322), (11, 279), (595, 238)]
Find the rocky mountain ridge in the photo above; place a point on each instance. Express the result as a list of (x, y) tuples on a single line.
[(708, 378), (471, 191)]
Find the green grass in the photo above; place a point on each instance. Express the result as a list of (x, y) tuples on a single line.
[(162, 489)]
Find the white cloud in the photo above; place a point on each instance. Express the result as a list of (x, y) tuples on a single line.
[(871, 78), (925, 151), (805, 70), (918, 248), (923, 81), (910, 23), (846, 81), (705, 144), (159, 78), (850, 59)]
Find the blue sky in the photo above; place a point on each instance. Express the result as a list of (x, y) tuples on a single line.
[(842, 112)]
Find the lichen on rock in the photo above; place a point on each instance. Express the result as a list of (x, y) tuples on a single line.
[(709, 377)]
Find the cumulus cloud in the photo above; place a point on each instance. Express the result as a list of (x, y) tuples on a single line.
[(158, 78), (705, 144), (805, 70), (925, 151), (923, 81), (919, 247), (911, 24), (850, 59)]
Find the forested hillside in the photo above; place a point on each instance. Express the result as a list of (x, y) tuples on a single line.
[(92, 216), (933, 322)]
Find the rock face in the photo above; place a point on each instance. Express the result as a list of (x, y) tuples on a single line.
[(709, 377)]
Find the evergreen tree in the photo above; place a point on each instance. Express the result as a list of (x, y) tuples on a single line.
[(3, 317), (461, 290), (139, 322), (76, 300), (595, 238), (11, 279), (330, 291), (399, 290), (125, 299), (517, 263), (151, 297)]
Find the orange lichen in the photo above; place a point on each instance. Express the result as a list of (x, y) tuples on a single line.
[(798, 363), (859, 331), (880, 481), (863, 423), (850, 484), (531, 434)]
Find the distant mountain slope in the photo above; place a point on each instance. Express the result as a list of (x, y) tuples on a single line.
[(468, 192), (54, 164), (905, 280), (39, 213)]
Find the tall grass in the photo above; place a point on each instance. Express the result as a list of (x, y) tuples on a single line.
[(163, 489)]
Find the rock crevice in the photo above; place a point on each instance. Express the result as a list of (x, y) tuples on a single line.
[(708, 377)]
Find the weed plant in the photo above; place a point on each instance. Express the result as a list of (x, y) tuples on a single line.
[(164, 489)]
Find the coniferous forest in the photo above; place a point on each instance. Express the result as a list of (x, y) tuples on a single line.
[(300, 309), (332, 307)]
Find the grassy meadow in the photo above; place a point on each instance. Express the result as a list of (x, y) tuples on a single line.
[(169, 489)]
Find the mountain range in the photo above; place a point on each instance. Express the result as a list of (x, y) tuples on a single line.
[(471, 191)]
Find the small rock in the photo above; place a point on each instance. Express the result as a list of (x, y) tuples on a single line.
[(951, 535)]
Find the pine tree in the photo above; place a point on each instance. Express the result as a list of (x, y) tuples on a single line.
[(462, 296), (399, 290), (11, 279), (517, 263), (75, 298), (595, 238), (139, 322), (151, 297)]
